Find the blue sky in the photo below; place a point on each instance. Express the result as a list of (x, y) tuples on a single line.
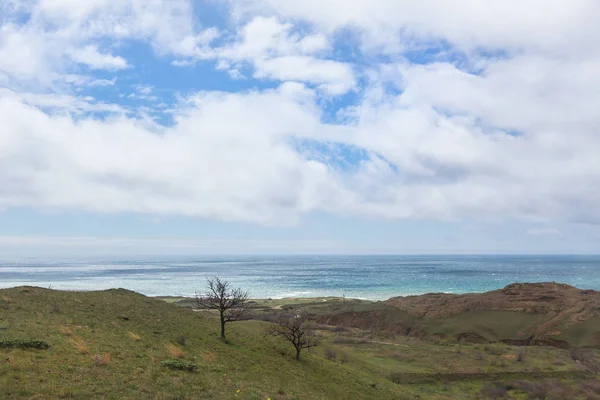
[(264, 126)]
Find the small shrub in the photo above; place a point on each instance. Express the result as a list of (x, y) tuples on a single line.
[(178, 364), (209, 357), (343, 357), (65, 330), (576, 354), (80, 345), (134, 336), (175, 351), (23, 344), (102, 360), (329, 354)]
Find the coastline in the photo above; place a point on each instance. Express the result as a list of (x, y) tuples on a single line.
[(364, 277)]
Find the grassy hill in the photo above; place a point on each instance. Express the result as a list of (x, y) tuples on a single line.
[(137, 333), (110, 345), (535, 313)]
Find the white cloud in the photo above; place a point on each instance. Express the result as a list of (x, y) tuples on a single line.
[(183, 63), (61, 103), (40, 40), (226, 158), (277, 52), (503, 124), (565, 26), (144, 89), (334, 77), (103, 82), (90, 56)]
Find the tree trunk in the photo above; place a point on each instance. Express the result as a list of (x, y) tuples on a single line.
[(222, 326), (298, 353)]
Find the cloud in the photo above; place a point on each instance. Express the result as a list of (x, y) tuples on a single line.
[(90, 56), (144, 89), (486, 111), (40, 40), (567, 27), (226, 157), (103, 82), (278, 52)]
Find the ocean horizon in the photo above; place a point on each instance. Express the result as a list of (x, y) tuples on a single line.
[(367, 277)]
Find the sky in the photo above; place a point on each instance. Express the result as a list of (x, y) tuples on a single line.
[(311, 127)]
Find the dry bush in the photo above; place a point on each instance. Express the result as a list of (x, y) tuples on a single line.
[(80, 345), (134, 336), (209, 357), (343, 357), (329, 354), (576, 354), (65, 330), (101, 360), (175, 351)]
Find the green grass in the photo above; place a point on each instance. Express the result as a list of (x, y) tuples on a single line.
[(583, 334), (136, 332), (489, 325), (118, 344)]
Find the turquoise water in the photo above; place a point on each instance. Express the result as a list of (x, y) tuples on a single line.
[(369, 277)]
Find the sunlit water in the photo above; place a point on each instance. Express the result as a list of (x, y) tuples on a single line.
[(369, 277)]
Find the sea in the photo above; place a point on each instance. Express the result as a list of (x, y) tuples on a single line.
[(365, 277)]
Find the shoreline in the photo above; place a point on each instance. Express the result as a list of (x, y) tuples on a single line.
[(301, 299)]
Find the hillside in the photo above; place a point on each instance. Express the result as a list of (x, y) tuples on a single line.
[(138, 332), (110, 345), (548, 313)]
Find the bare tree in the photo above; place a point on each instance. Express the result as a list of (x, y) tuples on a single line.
[(220, 296), (295, 330)]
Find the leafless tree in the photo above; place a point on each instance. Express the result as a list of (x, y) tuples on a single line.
[(220, 296), (294, 329)]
